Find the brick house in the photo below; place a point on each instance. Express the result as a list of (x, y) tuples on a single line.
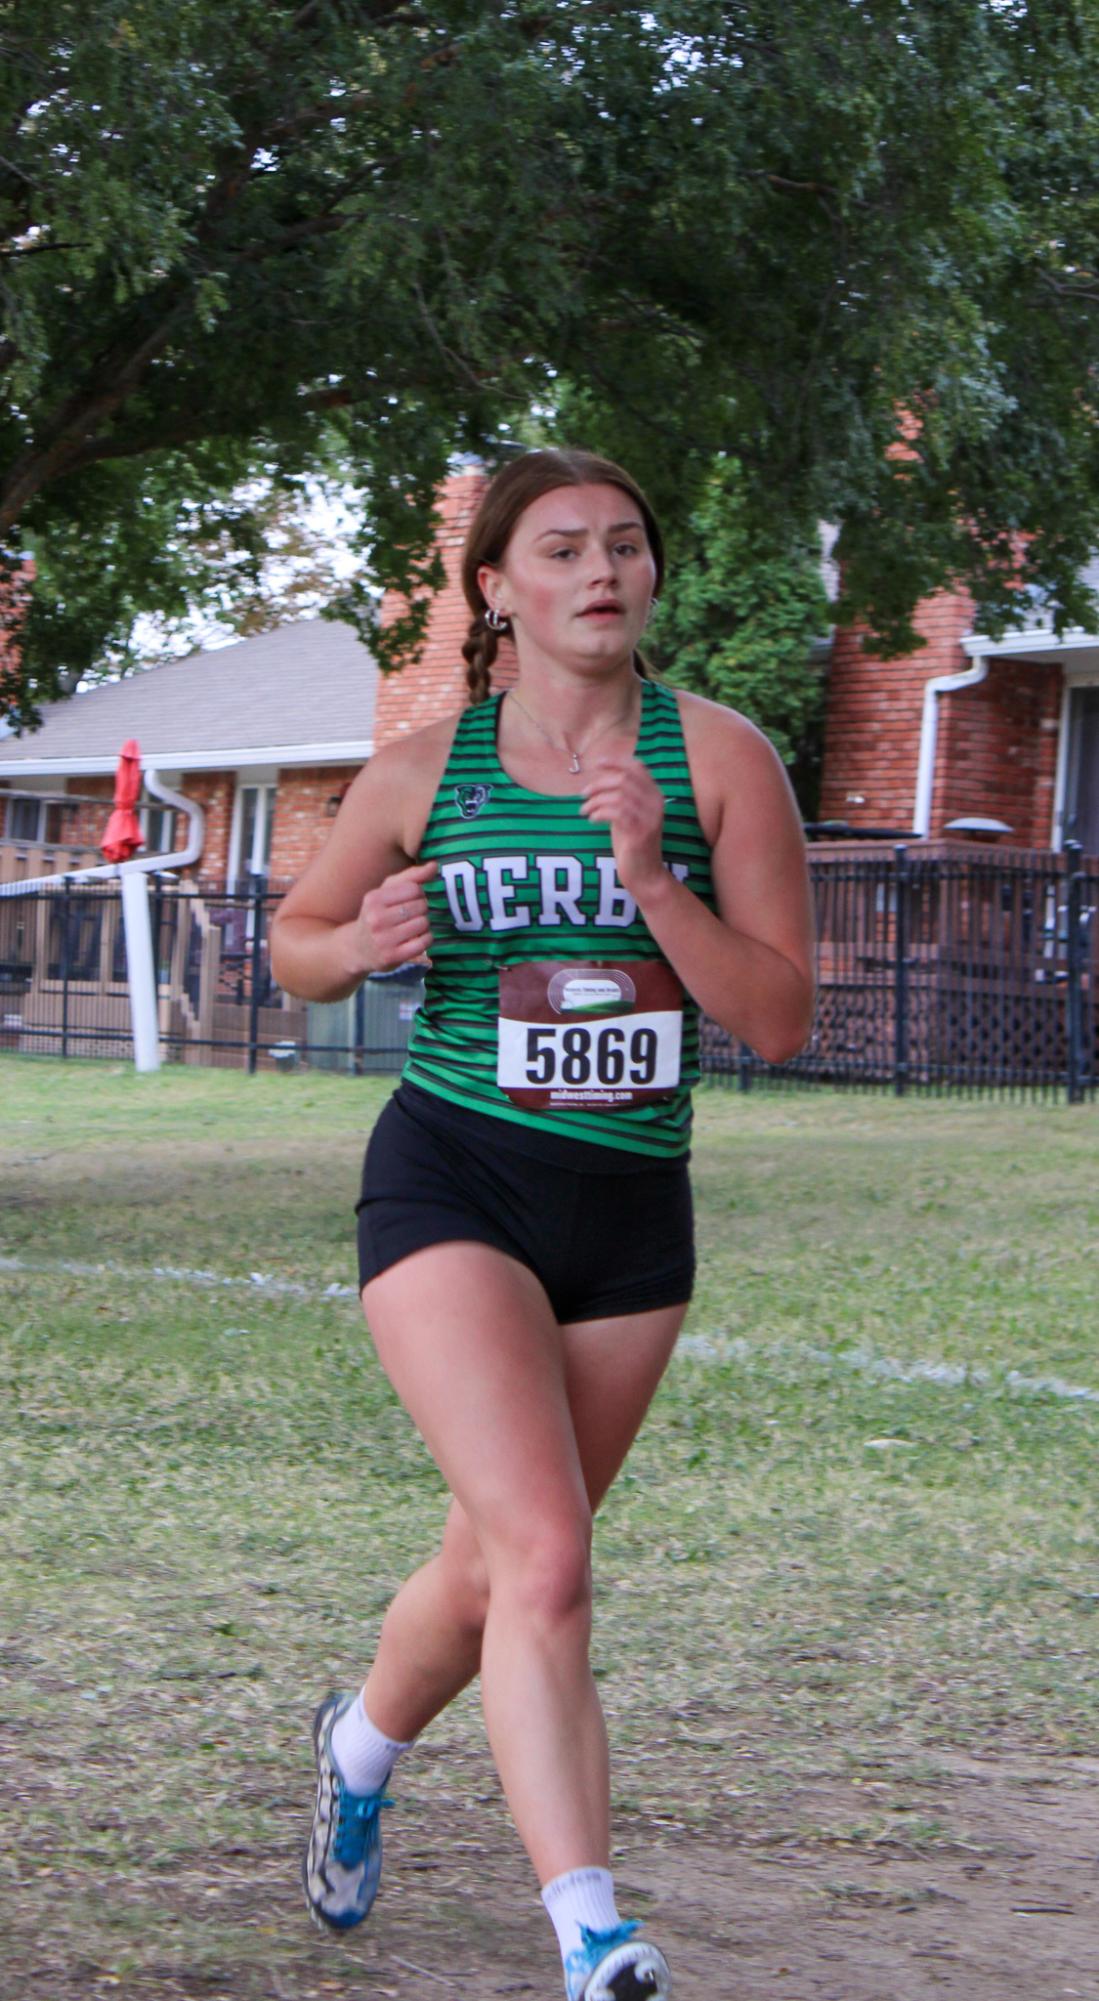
[(265, 735), (968, 729)]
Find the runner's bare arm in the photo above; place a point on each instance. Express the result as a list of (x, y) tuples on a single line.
[(750, 967), (359, 907)]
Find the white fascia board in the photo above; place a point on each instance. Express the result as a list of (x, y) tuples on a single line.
[(1027, 644), (192, 760)]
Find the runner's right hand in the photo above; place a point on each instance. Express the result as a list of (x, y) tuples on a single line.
[(393, 923)]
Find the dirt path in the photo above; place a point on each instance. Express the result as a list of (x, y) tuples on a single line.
[(1007, 1907), (1010, 1909)]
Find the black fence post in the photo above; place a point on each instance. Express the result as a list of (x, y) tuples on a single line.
[(1074, 954), (259, 887), (358, 1033), (900, 970), (66, 929), (158, 919), (744, 1068)]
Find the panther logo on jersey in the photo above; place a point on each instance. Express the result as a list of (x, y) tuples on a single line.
[(471, 799)]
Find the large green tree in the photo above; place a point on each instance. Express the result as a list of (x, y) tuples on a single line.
[(738, 617), (242, 237)]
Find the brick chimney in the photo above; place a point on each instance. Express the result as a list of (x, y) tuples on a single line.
[(14, 594), (435, 685)]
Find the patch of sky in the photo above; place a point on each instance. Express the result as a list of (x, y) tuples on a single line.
[(329, 512), (684, 55)]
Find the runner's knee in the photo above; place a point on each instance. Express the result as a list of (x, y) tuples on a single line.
[(543, 1568)]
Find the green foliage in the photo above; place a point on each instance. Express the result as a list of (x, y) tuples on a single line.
[(738, 616), (171, 532), (254, 241)]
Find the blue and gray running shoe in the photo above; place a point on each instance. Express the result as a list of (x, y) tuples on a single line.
[(614, 1966), (343, 1861)]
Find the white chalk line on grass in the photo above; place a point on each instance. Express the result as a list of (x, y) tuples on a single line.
[(886, 1368), (699, 1347), (253, 1281)]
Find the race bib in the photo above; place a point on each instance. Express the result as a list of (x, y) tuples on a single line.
[(574, 1036)]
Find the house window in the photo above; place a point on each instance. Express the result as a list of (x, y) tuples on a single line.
[(253, 823), (158, 824), (24, 819), (1082, 791), (35, 821)]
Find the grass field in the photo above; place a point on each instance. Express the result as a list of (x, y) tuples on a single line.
[(853, 1552)]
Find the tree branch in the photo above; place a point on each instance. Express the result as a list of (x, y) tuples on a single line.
[(35, 249), (61, 444), (73, 435), (58, 450), (453, 359), (16, 171), (783, 186), (1069, 288), (318, 225), (316, 114), (175, 437)]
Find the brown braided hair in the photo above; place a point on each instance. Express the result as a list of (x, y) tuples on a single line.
[(479, 649), (508, 494)]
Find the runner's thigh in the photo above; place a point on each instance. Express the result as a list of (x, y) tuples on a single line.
[(467, 1337), (612, 1371)]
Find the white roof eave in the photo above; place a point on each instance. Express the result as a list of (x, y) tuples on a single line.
[(170, 759), (1026, 644)]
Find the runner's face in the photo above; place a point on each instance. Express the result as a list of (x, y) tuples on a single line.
[(577, 577)]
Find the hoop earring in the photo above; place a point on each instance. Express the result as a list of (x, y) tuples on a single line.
[(495, 620)]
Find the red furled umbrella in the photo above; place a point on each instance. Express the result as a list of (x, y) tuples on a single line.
[(124, 836)]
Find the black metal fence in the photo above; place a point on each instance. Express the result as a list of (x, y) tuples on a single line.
[(947, 973), (935, 972), (64, 986)]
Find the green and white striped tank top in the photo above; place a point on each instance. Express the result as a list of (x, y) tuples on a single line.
[(524, 878)]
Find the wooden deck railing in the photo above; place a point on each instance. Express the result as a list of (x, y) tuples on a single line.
[(25, 861)]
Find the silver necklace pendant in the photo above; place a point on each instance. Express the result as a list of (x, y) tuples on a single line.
[(573, 755)]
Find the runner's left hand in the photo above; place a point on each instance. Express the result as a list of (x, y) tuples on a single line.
[(624, 792)]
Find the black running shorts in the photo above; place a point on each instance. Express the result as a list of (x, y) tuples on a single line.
[(606, 1232)]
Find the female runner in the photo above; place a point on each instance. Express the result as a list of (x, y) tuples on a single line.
[(583, 862)]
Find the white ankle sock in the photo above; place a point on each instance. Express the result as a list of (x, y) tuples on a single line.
[(364, 1756), (581, 1897)]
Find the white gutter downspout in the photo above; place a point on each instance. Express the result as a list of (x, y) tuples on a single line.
[(148, 864), (943, 684), (132, 877)]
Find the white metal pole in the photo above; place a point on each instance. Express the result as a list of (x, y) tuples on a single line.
[(142, 974)]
